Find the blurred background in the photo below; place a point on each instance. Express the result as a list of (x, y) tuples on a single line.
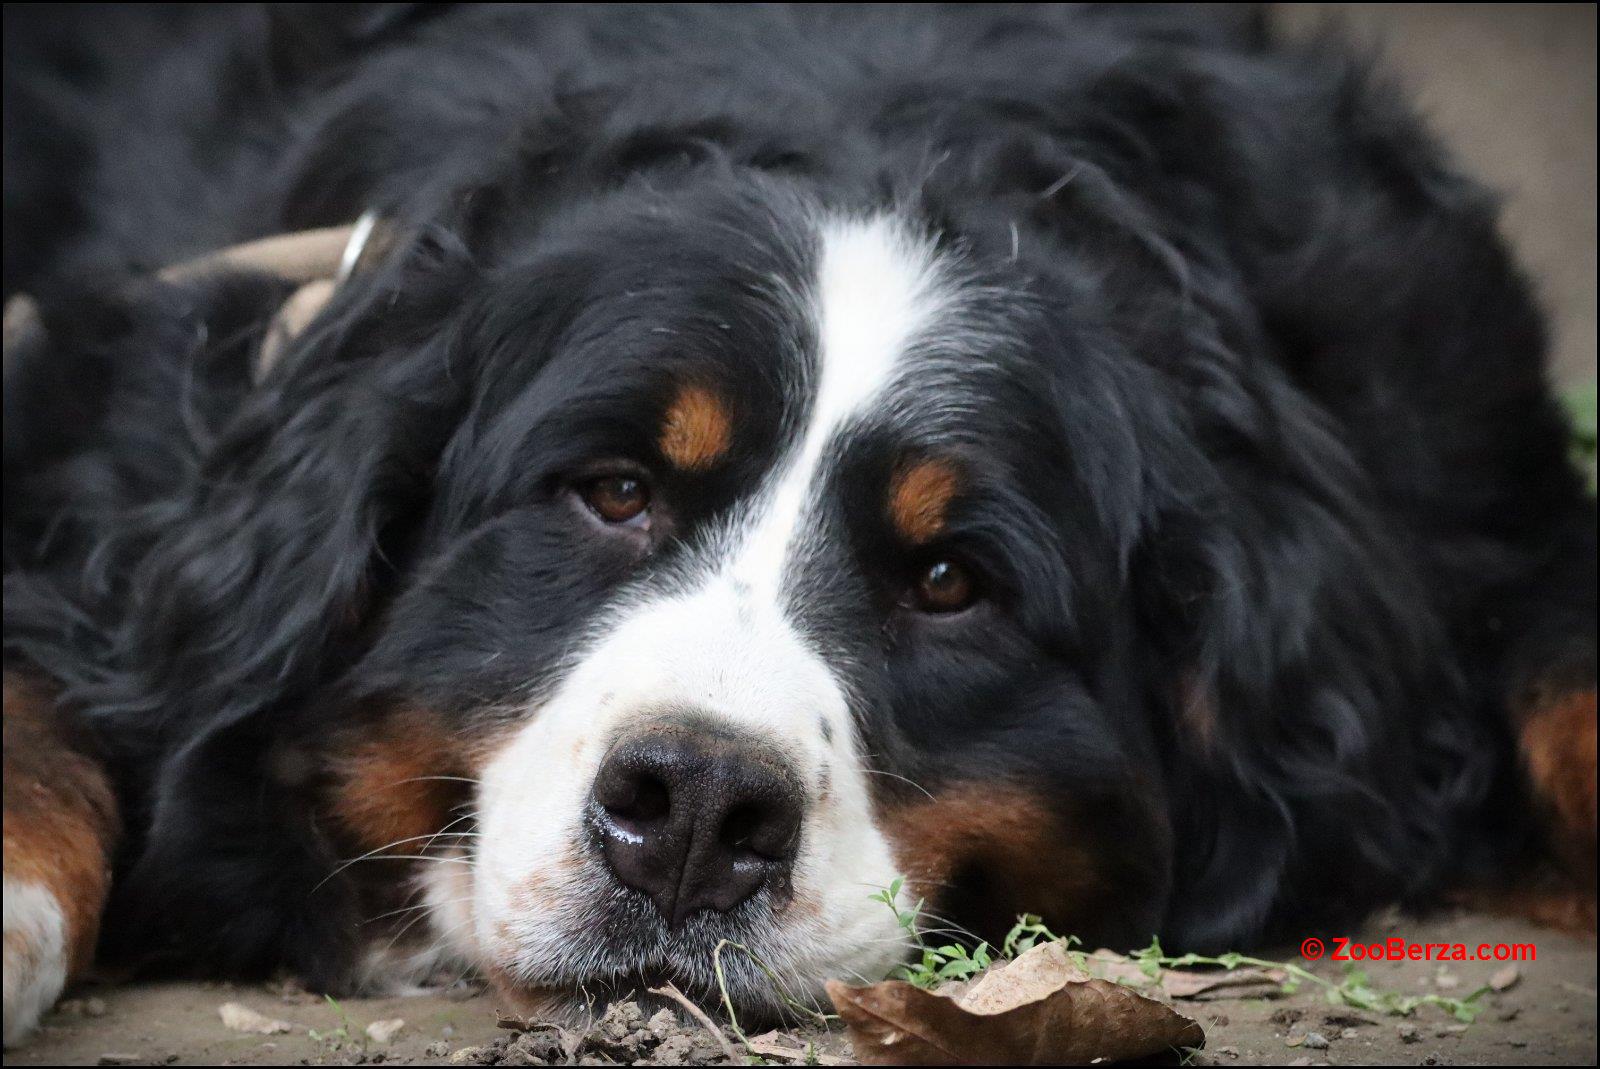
[(1511, 87)]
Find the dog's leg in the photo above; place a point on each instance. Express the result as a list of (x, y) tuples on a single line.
[(60, 826), (1556, 740), (1555, 726), (1550, 701)]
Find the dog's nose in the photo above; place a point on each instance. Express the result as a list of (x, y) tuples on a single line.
[(696, 819)]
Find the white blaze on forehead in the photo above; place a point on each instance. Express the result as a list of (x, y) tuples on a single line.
[(877, 290)]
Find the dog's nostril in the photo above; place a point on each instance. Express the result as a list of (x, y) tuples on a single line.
[(696, 820), (634, 800), (766, 831), (652, 800)]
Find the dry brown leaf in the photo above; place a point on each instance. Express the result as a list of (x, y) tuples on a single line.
[(1109, 965), (1037, 1010), (1186, 983)]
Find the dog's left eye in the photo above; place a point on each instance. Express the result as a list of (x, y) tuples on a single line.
[(944, 586), (618, 499)]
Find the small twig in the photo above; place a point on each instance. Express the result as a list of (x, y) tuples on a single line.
[(670, 990)]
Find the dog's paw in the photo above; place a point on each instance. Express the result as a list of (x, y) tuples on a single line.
[(36, 956), (60, 825)]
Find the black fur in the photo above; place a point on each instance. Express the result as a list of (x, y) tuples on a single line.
[(1264, 428)]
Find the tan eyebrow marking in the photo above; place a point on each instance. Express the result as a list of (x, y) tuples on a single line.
[(919, 497), (698, 428)]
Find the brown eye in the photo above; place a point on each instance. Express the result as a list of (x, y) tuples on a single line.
[(944, 586), (618, 498)]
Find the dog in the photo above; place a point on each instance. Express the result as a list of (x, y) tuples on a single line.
[(1079, 461)]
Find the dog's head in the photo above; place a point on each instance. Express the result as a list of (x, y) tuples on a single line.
[(755, 576), (683, 563)]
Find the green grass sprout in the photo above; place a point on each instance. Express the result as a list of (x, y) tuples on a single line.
[(935, 964)]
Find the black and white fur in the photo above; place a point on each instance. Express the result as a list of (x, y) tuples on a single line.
[(1267, 501)]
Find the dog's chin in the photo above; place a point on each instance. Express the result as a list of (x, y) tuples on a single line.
[(758, 1006), (625, 951), (757, 999)]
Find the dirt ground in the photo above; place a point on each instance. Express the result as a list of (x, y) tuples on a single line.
[(1546, 1016)]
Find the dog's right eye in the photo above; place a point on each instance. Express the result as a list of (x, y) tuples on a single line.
[(618, 499), (945, 586)]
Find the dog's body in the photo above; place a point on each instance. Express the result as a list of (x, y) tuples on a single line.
[(1092, 464)]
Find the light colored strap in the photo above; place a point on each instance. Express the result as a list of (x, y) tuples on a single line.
[(299, 257), (295, 315), (334, 252), (365, 237), (317, 261)]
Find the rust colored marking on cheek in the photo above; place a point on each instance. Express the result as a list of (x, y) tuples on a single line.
[(397, 782), (61, 820), (1012, 834), (919, 499), (698, 428), (1557, 741)]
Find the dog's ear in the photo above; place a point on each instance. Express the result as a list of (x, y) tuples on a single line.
[(255, 590), (296, 516), (1312, 719)]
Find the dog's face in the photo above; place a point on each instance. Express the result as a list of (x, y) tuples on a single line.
[(760, 571)]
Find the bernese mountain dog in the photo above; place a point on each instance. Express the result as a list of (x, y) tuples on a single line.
[(1088, 461)]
